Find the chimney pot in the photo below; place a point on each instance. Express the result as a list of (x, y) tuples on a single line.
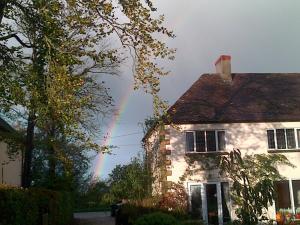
[(223, 67)]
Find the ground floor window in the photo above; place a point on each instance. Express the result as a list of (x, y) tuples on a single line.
[(287, 201), (210, 202)]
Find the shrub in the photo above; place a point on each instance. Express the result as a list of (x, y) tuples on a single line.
[(27, 206), (175, 199), (157, 218), (130, 212)]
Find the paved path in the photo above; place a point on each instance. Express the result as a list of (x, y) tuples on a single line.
[(93, 218)]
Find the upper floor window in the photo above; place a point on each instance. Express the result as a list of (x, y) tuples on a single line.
[(205, 141), (288, 138)]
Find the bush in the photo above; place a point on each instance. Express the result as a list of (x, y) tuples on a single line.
[(129, 213), (27, 206), (157, 218), (175, 199)]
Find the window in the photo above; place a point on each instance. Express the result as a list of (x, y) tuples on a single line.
[(287, 196), (200, 141), (296, 194), (190, 141), (283, 195), (196, 201), (205, 141), (210, 202), (271, 139), (284, 138)]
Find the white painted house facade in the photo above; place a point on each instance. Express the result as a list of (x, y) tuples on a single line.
[(256, 113), (10, 165)]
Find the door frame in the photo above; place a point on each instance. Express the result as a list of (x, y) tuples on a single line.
[(204, 199)]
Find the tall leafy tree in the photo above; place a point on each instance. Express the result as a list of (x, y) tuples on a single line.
[(51, 54)]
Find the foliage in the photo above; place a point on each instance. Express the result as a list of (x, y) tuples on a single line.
[(149, 123), (253, 179), (93, 195), (175, 199), (129, 181), (156, 218), (131, 211), (27, 206), (199, 162), (52, 54), (70, 171)]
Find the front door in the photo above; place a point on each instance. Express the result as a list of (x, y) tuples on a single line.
[(210, 202)]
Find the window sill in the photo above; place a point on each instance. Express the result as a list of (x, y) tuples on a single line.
[(283, 150), (207, 153)]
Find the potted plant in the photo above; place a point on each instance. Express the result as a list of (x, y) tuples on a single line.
[(297, 215), (280, 218)]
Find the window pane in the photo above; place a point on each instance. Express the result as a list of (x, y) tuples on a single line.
[(298, 136), (282, 191), (200, 141), (290, 138), (225, 201), (212, 203), (221, 140), (280, 139), (211, 141), (196, 201), (296, 192), (271, 139), (190, 141)]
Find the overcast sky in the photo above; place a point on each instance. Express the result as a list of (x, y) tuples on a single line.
[(260, 35)]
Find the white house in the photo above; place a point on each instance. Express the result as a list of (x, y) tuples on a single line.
[(256, 113), (10, 165)]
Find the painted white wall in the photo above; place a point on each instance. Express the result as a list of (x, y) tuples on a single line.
[(250, 138), (152, 148), (10, 169)]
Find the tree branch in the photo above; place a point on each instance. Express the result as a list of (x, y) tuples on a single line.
[(14, 35)]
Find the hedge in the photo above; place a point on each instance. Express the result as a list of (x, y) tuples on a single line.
[(129, 213), (28, 206), (157, 218)]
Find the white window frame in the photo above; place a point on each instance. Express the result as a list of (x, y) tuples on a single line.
[(216, 139), (204, 199), (291, 190), (275, 139)]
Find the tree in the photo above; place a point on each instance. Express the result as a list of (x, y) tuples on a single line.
[(51, 55), (252, 179), (129, 181), (93, 194), (149, 124)]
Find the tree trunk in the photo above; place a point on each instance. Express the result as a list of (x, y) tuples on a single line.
[(3, 4), (26, 176), (52, 159)]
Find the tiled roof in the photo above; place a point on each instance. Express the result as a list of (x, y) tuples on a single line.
[(249, 97)]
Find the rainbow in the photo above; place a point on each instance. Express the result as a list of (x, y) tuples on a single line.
[(112, 127)]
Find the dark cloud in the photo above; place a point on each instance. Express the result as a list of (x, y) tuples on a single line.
[(261, 36)]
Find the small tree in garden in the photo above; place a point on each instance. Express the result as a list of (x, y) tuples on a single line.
[(252, 179), (175, 199)]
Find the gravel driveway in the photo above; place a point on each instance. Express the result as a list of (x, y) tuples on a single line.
[(93, 218)]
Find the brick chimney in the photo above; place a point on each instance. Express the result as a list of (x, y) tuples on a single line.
[(223, 67)]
